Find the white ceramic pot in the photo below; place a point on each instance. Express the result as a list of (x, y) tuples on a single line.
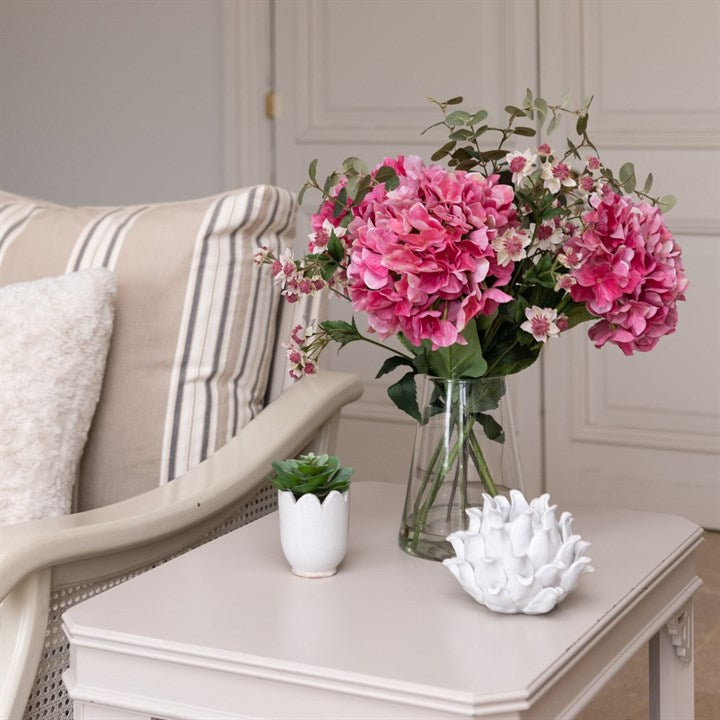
[(314, 534)]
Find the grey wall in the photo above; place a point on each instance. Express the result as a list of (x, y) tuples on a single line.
[(111, 102)]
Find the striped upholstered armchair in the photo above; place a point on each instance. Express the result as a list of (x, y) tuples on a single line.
[(195, 403)]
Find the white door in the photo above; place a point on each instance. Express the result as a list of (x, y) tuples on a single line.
[(642, 432), (352, 78)]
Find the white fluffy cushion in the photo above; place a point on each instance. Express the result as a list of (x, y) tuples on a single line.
[(54, 338)]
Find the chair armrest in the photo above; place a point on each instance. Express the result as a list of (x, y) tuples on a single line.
[(281, 430)]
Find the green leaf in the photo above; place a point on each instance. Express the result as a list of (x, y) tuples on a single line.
[(312, 170), (573, 148), (577, 314), (340, 203), (667, 202), (648, 183), (385, 172), (541, 106), (393, 362), (493, 155), (458, 118), (354, 166), (330, 182), (554, 122), (485, 395), (479, 116), (404, 394), (341, 332), (462, 134), (460, 360), (514, 359), (581, 125), (528, 98), (335, 248), (454, 101), (566, 98), (524, 131), (493, 429), (627, 177), (392, 182), (302, 192), (351, 185), (512, 110)]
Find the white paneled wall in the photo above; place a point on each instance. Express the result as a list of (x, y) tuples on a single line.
[(594, 426), (642, 432)]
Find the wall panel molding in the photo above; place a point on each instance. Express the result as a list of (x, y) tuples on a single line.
[(246, 78), (320, 120)]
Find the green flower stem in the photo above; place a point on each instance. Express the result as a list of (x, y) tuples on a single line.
[(385, 347), (426, 477), (422, 515), (482, 468)]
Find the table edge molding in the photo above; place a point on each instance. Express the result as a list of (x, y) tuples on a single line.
[(650, 582)]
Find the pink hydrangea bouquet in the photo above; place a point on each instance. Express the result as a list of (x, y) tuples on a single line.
[(475, 265)]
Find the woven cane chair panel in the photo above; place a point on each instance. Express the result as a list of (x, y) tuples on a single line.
[(48, 698)]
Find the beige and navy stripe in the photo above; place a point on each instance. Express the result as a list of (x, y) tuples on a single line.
[(194, 327)]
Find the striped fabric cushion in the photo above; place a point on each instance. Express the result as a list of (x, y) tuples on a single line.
[(194, 324)]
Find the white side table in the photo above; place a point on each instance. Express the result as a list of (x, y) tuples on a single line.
[(226, 631)]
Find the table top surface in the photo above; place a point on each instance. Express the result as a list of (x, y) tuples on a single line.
[(386, 620)]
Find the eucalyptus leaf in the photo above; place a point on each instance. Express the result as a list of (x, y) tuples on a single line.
[(524, 131), (312, 170), (554, 122), (458, 118), (479, 116), (667, 202), (302, 192)]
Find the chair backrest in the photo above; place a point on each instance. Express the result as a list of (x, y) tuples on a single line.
[(195, 322)]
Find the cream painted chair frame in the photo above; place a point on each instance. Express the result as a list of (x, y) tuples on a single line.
[(118, 541)]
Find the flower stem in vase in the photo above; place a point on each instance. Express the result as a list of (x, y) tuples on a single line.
[(483, 470)]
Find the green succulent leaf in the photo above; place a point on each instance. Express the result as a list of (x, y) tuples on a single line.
[(310, 473)]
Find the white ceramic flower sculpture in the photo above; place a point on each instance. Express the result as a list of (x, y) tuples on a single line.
[(516, 557)]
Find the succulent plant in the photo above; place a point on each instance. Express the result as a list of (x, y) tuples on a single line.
[(516, 557), (311, 474)]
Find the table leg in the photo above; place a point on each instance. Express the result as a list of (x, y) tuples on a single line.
[(91, 711), (672, 672)]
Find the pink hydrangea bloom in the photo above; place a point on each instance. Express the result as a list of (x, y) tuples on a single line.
[(629, 272), (421, 258)]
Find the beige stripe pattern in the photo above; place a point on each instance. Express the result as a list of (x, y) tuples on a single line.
[(194, 327)]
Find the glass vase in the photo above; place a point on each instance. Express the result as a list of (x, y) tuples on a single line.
[(464, 446)]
